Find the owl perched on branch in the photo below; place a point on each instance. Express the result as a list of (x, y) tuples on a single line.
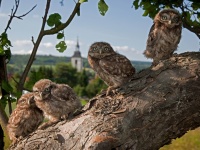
[(57, 101), (25, 118), (164, 35), (114, 69)]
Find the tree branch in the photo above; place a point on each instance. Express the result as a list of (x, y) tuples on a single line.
[(13, 14), (35, 48), (40, 36), (63, 25), (157, 105)]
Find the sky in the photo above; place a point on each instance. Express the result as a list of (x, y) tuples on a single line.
[(123, 27)]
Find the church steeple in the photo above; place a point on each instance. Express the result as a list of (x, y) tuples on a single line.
[(76, 59), (77, 45)]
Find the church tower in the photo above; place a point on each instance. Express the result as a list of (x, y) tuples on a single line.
[(76, 59)]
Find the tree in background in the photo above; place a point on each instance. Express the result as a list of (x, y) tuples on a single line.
[(65, 73), (95, 86), (35, 75)]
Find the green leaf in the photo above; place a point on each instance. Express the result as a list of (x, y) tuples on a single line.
[(60, 35), (8, 54), (195, 5), (82, 1), (7, 87), (61, 46), (135, 3), (54, 20), (103, 7), (4, 40), (1, 50), (146, 12)]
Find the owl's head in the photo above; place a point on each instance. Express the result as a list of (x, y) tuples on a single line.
[(100, 50), (42, 89), (26, 101), (169, 17)]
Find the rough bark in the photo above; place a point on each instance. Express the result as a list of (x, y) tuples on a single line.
[(159, 104)]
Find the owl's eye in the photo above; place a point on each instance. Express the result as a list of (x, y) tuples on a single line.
[(94, 48), (175, 20), (106, 48), (164, 18), (47, 89)]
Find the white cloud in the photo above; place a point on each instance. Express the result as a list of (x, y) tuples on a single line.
[(21, 51), (3, 15), (124, 49), (22, 42), (70, 43), (47, 44)]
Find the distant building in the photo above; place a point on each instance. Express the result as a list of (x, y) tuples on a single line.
[(76, 59)]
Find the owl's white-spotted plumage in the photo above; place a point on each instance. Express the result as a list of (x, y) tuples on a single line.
[(57, 101), (25, 118), (164, 35), (113, 68)]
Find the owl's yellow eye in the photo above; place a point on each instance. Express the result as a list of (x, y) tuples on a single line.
[(164, 18)]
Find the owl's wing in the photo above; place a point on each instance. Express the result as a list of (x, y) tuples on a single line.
[(62, 92), (151, 37), (117, 65)]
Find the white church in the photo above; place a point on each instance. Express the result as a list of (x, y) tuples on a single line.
[(76, 59)]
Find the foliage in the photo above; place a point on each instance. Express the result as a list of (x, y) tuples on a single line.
[(65, 73), (5, 45), (190, 10), (35, 75), (95, 86), (103, 7), (190, 141)]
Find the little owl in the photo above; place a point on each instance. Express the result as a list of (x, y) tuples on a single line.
[(25, 118), (114, 69), (164, 35), (57, 101)]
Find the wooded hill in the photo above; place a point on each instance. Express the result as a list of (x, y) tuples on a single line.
[(21, 60)]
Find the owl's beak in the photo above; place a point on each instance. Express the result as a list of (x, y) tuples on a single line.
[(170, 22), (100, 51)]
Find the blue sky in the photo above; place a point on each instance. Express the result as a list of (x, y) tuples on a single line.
[(123, 27)]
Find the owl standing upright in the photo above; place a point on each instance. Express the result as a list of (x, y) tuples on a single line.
[(57, 101), (164, 35), (25, 118), (114, 69)]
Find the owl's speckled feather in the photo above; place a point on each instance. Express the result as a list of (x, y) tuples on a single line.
[(57, 101), (113, 68), (164, 35), (25, 118)]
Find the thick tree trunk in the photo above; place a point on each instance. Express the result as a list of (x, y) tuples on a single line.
[(1, 138), (157, 105), (3, 117)]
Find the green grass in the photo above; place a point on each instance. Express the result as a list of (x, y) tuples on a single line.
[(6, 138), (190, 141)]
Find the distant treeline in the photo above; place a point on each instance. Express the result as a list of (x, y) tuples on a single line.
[(50, 60)]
